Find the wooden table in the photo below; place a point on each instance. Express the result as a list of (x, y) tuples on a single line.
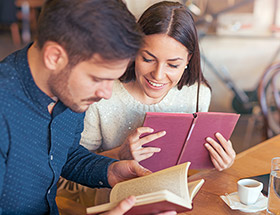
[(254, 161)]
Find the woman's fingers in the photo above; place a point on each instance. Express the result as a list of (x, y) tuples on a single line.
[(144, 156), (151, 137), (215, 157), (145, 152), (136, 142), (227, 145), (132, 147), (135, 136), (222, 155)]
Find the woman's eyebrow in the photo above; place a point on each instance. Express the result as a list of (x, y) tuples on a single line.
[(173, 59), (149, 53)]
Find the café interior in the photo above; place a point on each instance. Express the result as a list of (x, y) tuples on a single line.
[(240, 57)]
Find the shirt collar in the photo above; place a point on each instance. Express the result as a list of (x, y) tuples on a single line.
[(29, 86)]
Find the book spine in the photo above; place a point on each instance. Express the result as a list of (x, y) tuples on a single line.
[(187, 139)]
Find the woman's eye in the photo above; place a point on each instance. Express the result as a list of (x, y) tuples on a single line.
[(147, 60), (173, 66), (96, 79)]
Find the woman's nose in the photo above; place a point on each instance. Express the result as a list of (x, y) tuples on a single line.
[(158, 73)]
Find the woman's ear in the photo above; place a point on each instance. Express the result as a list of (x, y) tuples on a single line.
[(189, 57), (55, 57)]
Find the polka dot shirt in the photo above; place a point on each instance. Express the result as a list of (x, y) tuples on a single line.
[(37, 147)]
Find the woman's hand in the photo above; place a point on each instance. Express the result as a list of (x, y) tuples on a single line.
[(132, 148), (222, 155)]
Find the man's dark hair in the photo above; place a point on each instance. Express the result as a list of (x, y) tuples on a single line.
[(85, 27), (174, 20)]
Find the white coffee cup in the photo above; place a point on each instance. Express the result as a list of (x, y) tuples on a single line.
[(249, 190)]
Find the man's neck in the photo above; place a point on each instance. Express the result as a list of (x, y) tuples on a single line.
[(38, 70)]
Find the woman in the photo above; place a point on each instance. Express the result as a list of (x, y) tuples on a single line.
[(165, 77)]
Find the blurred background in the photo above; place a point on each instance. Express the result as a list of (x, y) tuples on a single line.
[(239, 41)]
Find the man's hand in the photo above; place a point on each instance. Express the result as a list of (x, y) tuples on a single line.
[(122, 207), (127, 204), (124, 170)]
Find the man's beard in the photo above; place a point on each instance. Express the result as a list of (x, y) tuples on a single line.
[(59, 87)]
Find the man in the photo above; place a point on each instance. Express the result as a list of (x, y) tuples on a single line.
[(81, 47)]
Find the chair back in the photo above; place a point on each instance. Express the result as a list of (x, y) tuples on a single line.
[(7, 12), (269, 100)]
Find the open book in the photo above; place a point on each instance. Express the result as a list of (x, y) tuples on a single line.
[(185, 137), (166, 190)]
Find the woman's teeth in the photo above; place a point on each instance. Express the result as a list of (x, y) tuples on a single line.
[(155, 84)]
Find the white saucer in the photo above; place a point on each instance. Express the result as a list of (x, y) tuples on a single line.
[(232, 200)]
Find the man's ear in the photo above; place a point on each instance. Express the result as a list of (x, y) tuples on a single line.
[(54, 56)]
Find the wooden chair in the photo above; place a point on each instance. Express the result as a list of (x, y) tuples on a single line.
[(20, 14), (69, 207), (28, 12), (269, 100), (8, 18)]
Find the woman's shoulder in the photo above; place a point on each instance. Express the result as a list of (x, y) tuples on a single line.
[(204, 90)]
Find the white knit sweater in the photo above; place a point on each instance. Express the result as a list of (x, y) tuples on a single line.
[(109, 122)]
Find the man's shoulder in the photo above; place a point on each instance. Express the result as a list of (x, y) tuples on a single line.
[(9, 81), (8, 74)]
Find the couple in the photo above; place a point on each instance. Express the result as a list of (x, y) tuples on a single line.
[(81, 48)]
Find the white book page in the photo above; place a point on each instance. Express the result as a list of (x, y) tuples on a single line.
[(194, 187), (158, 196), (173, 179)]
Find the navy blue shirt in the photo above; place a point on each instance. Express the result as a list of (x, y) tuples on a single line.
[(36, 147)]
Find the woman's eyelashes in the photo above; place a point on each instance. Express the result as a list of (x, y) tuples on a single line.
[(169, 64), (173, 66), (146, 59)]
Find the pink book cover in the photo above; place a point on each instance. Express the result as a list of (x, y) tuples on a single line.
[(154, 208), (185, 137)]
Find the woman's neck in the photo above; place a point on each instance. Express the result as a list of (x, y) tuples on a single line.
[(137, 93)]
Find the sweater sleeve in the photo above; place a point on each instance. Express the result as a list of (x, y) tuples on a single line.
[(91, 137)]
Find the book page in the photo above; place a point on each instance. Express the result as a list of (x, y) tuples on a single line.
[(163, 195), (159, 196), (173, 179), (194, 187)]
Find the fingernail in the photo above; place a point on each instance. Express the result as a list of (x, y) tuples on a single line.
[(159, 149), (151, 130), (218, 134), (208, 138), (206, 144), (163, 132)]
